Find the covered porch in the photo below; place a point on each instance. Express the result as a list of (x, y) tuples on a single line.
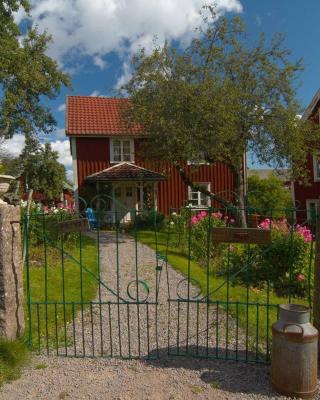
[(125, 189)]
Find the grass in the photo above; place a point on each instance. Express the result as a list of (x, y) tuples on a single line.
[(13, 355), (255, 320), (55, 278)]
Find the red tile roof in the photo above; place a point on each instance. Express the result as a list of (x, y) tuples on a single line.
[(126, 172), (86, 115)]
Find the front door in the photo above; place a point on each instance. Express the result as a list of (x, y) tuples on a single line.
[(125, 196)]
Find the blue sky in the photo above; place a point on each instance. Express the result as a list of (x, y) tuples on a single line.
[(94, 40)]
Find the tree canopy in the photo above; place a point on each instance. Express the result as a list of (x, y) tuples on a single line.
[(40, 169), (26, 74), (219, 98), (269, 195)]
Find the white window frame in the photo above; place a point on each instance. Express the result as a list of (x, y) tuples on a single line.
[(310, 201), (112, 160), (199, 161), (316, 170), (190, 191)]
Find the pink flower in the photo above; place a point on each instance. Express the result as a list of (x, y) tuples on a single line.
[(217, 215), (300, 278), (265, 224), (194, 220), (304, 232), (231, 248), (232, 221), (203, 214)]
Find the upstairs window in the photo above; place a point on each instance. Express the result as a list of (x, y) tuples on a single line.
[(316, 168), (199, 199), (121, 150)]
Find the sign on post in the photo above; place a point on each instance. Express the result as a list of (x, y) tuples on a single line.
[(241, 235), (73, 225)]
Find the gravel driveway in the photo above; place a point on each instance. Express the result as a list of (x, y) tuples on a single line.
[(131, 331), (179, 379)]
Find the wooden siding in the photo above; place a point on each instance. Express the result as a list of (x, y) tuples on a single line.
[(93, 156), (306, 192), (311, 191)]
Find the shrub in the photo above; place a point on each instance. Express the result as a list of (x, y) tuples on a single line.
[(284, 263), (148, 220)]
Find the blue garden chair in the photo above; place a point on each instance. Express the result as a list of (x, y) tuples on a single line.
[(92, 218)]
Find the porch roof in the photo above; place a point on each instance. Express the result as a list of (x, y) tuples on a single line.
[(125, 171)]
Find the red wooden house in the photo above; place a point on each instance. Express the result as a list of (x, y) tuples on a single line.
[(106, 160), (307, 197)]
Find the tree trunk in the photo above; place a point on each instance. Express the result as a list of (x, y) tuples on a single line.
[(242, 192)]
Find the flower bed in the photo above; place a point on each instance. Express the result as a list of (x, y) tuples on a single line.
[(284, 264)]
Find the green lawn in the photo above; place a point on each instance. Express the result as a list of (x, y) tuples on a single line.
[(13, 355), (256, 319), (57, 286)]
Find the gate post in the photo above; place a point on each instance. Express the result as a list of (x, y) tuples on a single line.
[(11, 273)]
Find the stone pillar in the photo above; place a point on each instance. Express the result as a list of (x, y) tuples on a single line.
[(11, 273)]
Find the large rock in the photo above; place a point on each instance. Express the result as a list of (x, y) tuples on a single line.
[(11, 273)]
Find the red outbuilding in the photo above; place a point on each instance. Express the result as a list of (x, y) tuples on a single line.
[(307, 196)]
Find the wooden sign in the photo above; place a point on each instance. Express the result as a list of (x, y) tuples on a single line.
[(73, 225), (241, 235)]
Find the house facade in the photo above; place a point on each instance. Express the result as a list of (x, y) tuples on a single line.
[(108, 161), (307, 197)]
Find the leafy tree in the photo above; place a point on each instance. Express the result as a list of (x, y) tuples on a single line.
[(268, 195), (40, 168), (26, 75), (218, 99)]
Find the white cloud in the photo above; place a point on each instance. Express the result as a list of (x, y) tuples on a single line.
[(14, 145), (100, 62), (125, 77), (62, 107), (95, 93), (95, 28), (63, 149)]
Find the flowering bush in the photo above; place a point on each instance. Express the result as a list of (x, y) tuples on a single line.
[(194, 226), (42, 219), (284, 263)]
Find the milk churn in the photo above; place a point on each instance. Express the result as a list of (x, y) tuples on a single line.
[(294, 353)]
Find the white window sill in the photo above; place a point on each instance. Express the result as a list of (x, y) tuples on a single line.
[(118, 162)]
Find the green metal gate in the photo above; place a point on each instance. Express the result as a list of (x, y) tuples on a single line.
[(152, 288)]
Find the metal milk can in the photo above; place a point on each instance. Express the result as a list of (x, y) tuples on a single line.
[(294, 353)]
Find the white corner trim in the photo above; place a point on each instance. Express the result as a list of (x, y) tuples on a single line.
[(73, 142)]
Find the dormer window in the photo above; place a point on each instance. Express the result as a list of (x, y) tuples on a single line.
[(121, 150)]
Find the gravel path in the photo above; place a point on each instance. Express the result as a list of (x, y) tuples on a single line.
[(129, 330), (53, 378)]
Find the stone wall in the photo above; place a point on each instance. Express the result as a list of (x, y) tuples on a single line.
[(11, 273)]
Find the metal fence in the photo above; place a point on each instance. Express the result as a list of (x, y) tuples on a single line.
[(155, 287)]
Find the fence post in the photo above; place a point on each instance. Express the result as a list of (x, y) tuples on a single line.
[(11, 273), (316, 283)]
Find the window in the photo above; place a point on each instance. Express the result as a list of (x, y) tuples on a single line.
[(199, 160), (198, 199), (316, 168), (312, 206), (121, 150)]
